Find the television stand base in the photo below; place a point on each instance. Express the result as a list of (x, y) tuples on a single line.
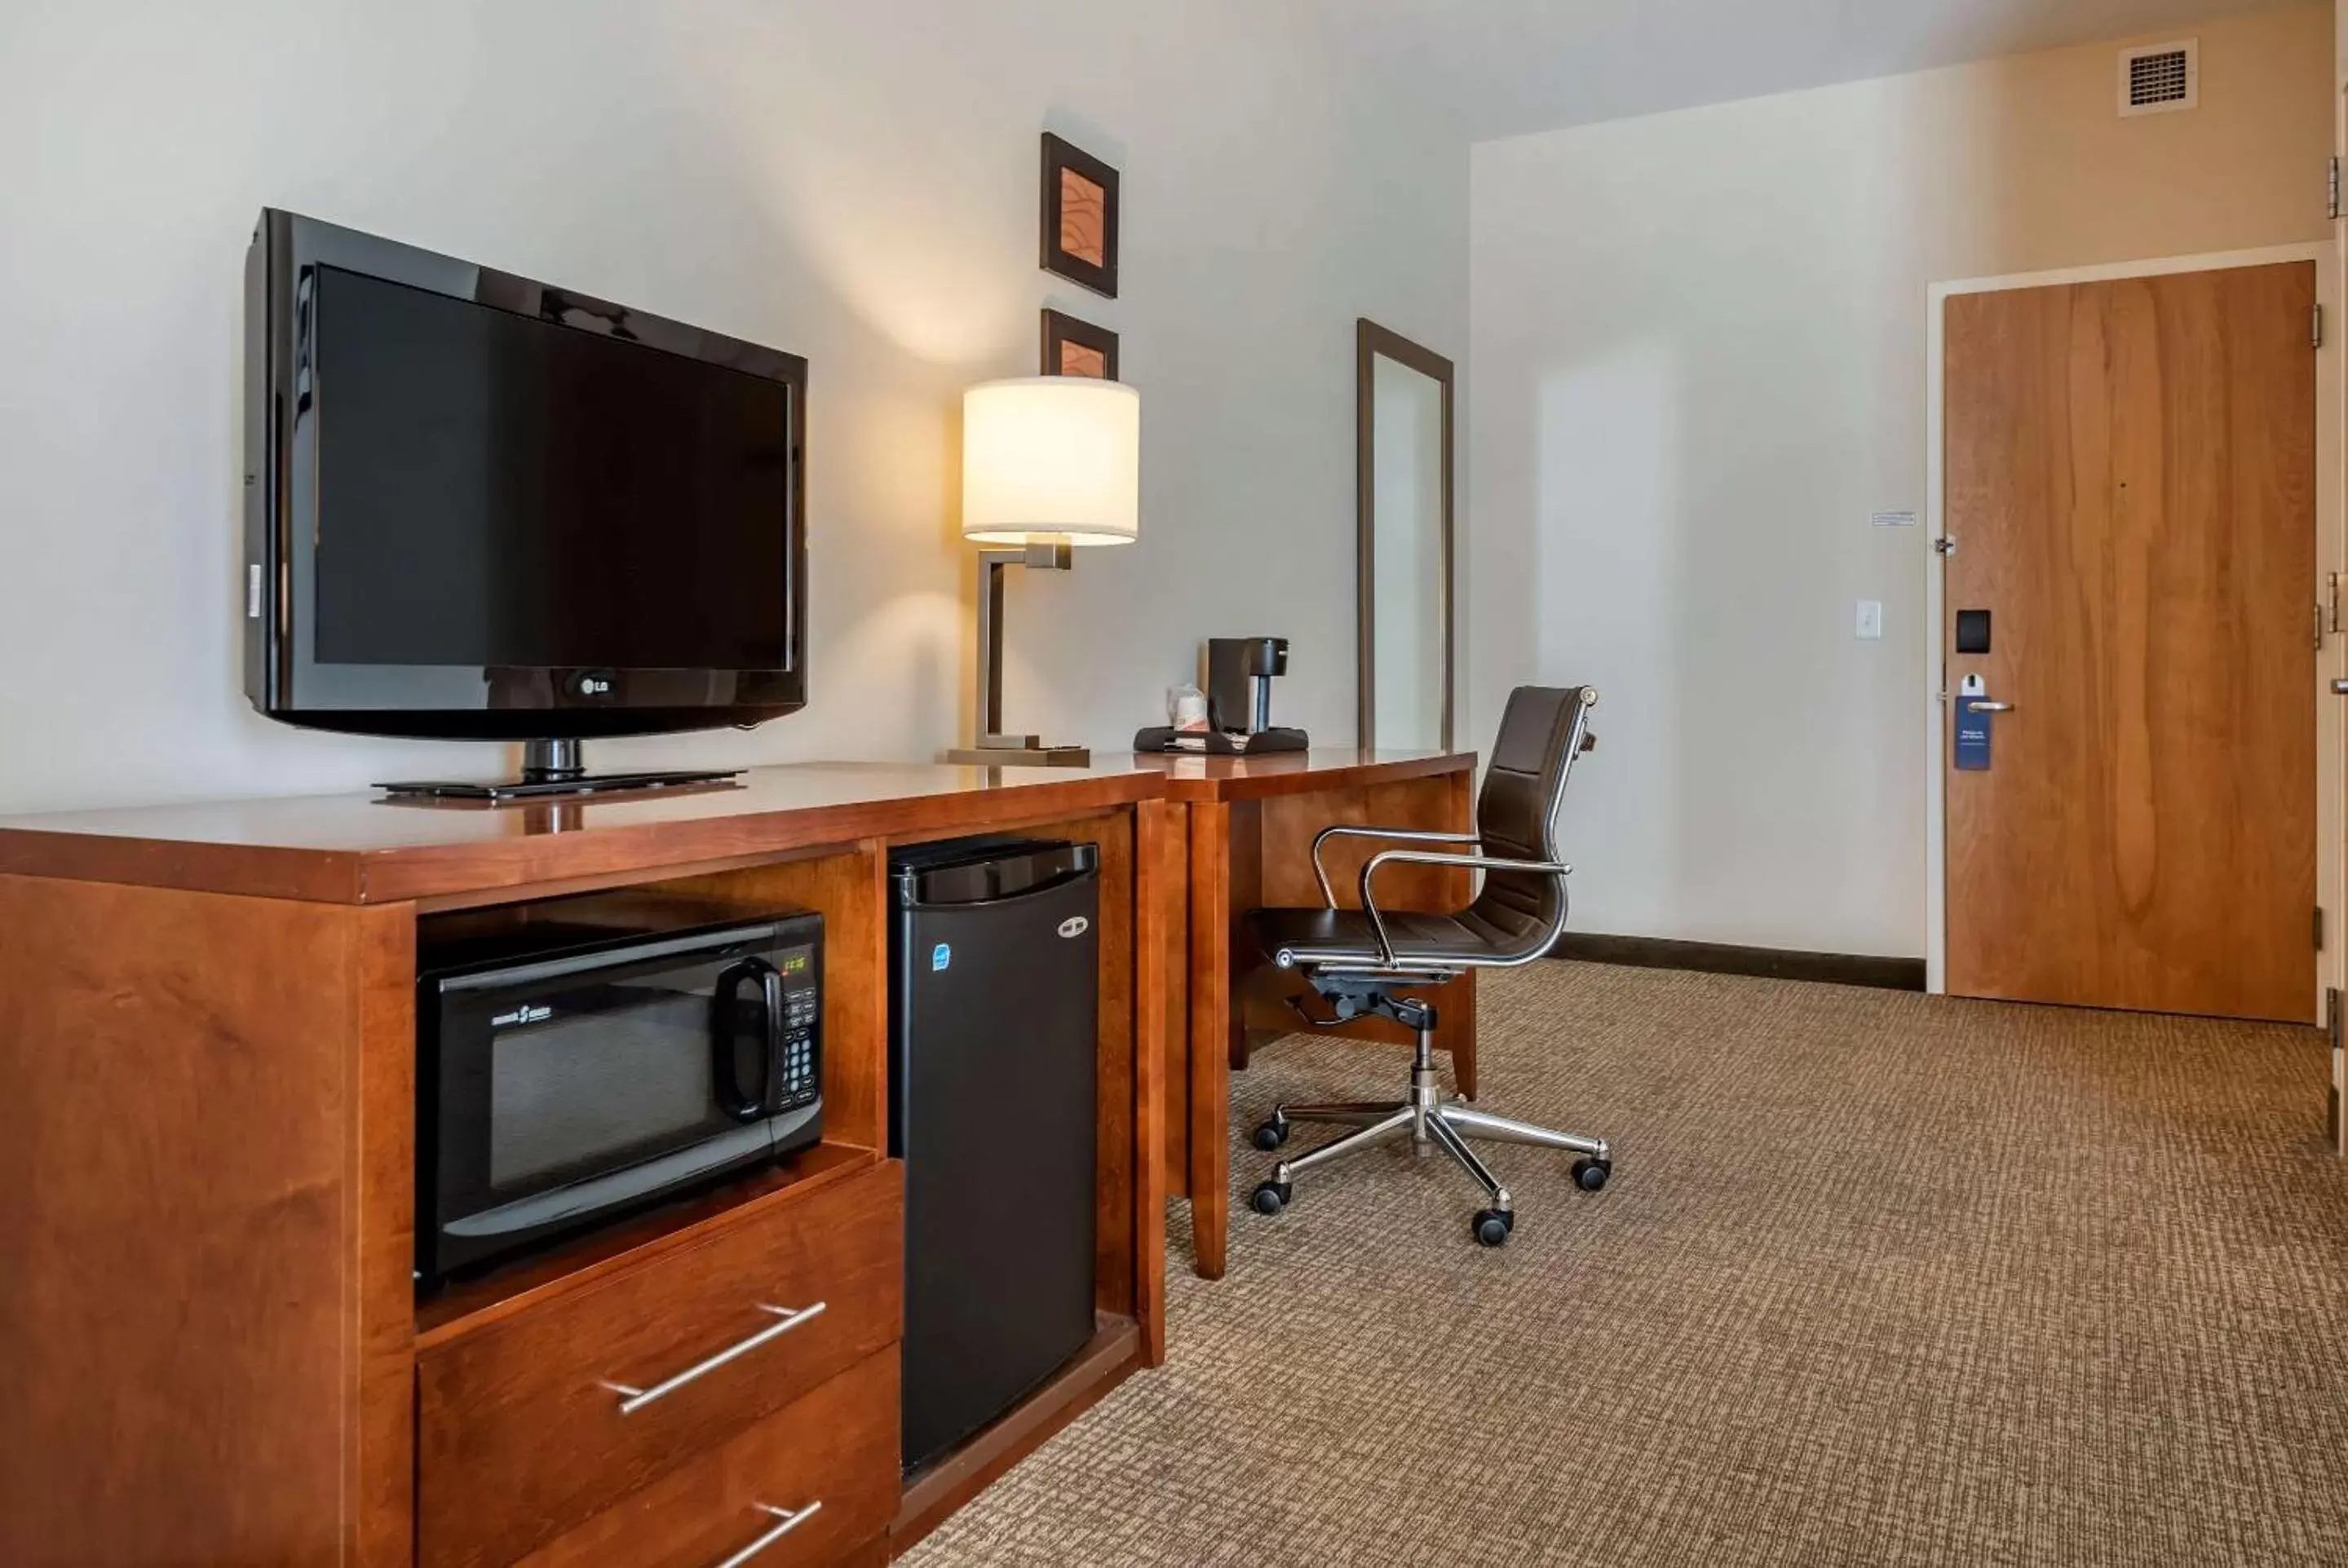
[(552, 769), (545, 789)]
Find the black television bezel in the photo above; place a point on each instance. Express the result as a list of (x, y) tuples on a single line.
[(459, 701)]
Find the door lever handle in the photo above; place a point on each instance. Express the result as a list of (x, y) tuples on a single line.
[(1983, 705)]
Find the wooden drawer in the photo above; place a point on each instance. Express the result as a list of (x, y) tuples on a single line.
[(522, 1433), (835, 1452)]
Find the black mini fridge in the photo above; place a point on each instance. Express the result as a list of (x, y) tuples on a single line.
[(995, 1005)]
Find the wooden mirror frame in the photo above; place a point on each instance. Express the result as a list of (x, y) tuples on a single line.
[(1372, 341)]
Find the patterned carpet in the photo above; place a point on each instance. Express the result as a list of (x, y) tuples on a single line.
[(1883, 1279)]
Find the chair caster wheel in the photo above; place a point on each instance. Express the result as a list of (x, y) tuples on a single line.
[(1590, 1174), (1492, 1226), (1270, 1135), (1269, 1197)]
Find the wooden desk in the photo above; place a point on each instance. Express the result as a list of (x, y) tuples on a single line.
[(207, 1033), (1250, 823)]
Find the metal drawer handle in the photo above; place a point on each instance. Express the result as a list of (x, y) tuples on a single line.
[(634, 1399), (790, 1521)]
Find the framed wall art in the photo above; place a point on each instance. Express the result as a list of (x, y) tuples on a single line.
[(1077, 347), (1079, 230)]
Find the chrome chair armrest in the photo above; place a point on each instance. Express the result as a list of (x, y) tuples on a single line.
[(1400, 834), (1426, 857)]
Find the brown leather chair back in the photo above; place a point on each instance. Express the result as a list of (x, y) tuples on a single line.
[(1542, 731)]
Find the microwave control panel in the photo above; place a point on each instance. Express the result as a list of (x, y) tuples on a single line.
[(802, 1063)]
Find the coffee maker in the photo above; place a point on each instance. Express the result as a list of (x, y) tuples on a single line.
[(1239, 704)]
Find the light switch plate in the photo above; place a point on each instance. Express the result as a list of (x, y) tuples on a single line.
[(1870, 619)]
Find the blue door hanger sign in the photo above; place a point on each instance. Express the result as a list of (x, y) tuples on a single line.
[(1973, 737), (1973, 716)]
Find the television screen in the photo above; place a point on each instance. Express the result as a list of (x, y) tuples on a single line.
[(482, 506), (497, 490)]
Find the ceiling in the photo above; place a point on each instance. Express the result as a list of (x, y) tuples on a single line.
[(1501, 68)]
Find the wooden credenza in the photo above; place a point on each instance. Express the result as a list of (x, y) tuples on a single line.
[(207, 1188)]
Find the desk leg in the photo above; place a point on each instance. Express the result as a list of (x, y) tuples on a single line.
[(1210, 1039), (1174, 1076), (1454, 1029), (1158, 909), (1455, 1013), (1242, 891)]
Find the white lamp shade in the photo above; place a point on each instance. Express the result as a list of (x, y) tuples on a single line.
[(1055, 457)]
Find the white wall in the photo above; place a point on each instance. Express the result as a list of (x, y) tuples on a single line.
[(854, 182), (1697, 361)]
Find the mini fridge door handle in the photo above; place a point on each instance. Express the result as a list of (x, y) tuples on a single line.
[(1074, 873)]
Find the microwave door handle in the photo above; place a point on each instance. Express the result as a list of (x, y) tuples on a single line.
[(770, 985), (724, 999)]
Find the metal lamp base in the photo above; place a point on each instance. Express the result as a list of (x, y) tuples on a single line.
[(996, 748)]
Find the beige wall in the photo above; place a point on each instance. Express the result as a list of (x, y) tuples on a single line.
[(1696, 366), (2044, 173)]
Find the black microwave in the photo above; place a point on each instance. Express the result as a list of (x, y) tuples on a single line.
[(581, 1058)]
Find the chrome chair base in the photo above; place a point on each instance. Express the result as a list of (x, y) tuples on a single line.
[(1429, 1121)]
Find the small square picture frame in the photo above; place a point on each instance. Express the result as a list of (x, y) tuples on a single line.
[(1079, 227), (1073, 346)]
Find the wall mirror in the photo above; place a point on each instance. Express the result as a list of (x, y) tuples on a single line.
[(1403, 504)]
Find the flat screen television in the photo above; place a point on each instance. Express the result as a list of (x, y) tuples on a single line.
[(484, 507)]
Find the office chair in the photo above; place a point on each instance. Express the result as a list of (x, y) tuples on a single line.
[(1358, 960)]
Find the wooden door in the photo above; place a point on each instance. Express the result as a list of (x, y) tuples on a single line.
[(2131, 489)]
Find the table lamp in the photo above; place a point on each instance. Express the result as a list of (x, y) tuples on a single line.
[(1048, 462)]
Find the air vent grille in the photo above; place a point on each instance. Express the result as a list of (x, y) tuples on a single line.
[(2163, 77)]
